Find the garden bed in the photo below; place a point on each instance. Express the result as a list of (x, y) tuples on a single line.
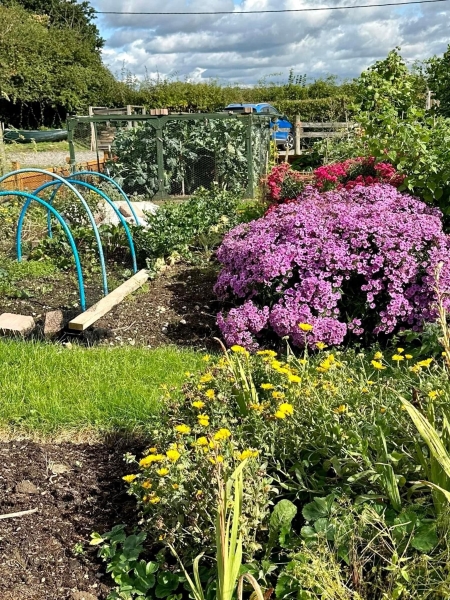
[(178, 307), (76, 489)]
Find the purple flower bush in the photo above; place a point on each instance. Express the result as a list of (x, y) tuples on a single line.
[(356, 262)]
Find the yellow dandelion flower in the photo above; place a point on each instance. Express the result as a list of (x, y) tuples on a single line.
[(198, 404), (175, 486), (206, 377), (188, 374), (199, 493), (183, 429), (400, 350), (152, 450), (267, 386), (201, 441), (269, 353), (305, 326), (129, 478), (277, 395), (155, 500), (365, 391), (275, 364), (210, 394), (151, 458), (222, 434), (294, 378), (247, 454), (433, 394), (425, 363), (239, 349), (378, 355), (173, 455), (415, 369), (287, 408), (206, 358), (321, 346), (371, 382), (408, 356), (377, 365), (219, 458), (280, 414), (147, 484), (398, 357), (257, 407), (162, 472), (203, 420), (343, 408)]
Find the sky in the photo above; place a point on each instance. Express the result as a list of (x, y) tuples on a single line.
[(245, 49)]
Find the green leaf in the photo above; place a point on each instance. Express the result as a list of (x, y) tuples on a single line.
[(426, 538), (280, 521)]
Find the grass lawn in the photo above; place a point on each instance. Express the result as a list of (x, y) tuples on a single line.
[(45, 389)]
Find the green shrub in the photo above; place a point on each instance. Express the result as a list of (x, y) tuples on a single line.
[(327, 433)]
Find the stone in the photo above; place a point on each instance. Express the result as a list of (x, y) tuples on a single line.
[(126, 212), (26, 487), (83, 596), (58, 468), (12, 324), (54, 323)]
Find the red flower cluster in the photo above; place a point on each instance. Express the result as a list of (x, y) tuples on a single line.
[(356, 171), (277, 177)]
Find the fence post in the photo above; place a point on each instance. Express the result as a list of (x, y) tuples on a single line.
[(161, 193), (3, 166), (298, 135), (250, 169), (71, 124)]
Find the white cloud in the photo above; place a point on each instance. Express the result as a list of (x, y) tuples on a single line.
[(245, 48)]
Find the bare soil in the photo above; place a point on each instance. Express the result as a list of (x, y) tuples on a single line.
[(77, 489)]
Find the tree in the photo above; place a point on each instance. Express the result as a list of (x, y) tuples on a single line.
[(438, 71)]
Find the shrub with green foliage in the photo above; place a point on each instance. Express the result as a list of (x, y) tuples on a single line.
[(331, 446)]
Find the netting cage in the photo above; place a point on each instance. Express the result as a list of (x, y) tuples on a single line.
[(173, 155)]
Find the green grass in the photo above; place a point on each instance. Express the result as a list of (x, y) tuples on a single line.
[(46, 389), (18, 148)]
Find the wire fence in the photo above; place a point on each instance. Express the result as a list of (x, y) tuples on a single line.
[(163, 156)]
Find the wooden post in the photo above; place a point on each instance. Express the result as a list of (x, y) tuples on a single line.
[(17, 178), (3, 166), (298, 135)]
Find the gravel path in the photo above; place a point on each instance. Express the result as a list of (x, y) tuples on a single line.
[(48, 158)]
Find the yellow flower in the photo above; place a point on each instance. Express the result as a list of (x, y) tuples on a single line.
[(206, 377), (210, 394), (408, 356), (183, 429), (173, 455), (257, 407), (269, 353), (206, 358), (321, 345), (267, 386), (219, 458), (341, 409), (305, 327), (280, 414), (175, 486), (222, 434), (155, 500), (425, 363), (277, 395), (201, 441), (203, 420), (147, 485), (433, 394), (365, 391), (247, 454), (152, 451), (287, 408), (188, 374), (199, 493), (294, 378), (398, 357), (377, 365), (129, 478), (151, 458), (400, 350), (382, 410), (378, 355), (275, 364), (239, 349), (162, 472), (415, 369), (198, 404), (369, 382)]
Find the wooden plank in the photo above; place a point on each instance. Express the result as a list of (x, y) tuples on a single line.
[(319, 125), (322, 134), (102, 307)]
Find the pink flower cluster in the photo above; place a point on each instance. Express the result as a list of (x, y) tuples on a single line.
[(278, 175), (351, 263), (356, 171)]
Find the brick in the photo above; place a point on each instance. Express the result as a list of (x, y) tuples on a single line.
[(54, 323), (11, 324)]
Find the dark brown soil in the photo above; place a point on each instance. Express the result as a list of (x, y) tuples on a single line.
[(38, 552), (178, 307)]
